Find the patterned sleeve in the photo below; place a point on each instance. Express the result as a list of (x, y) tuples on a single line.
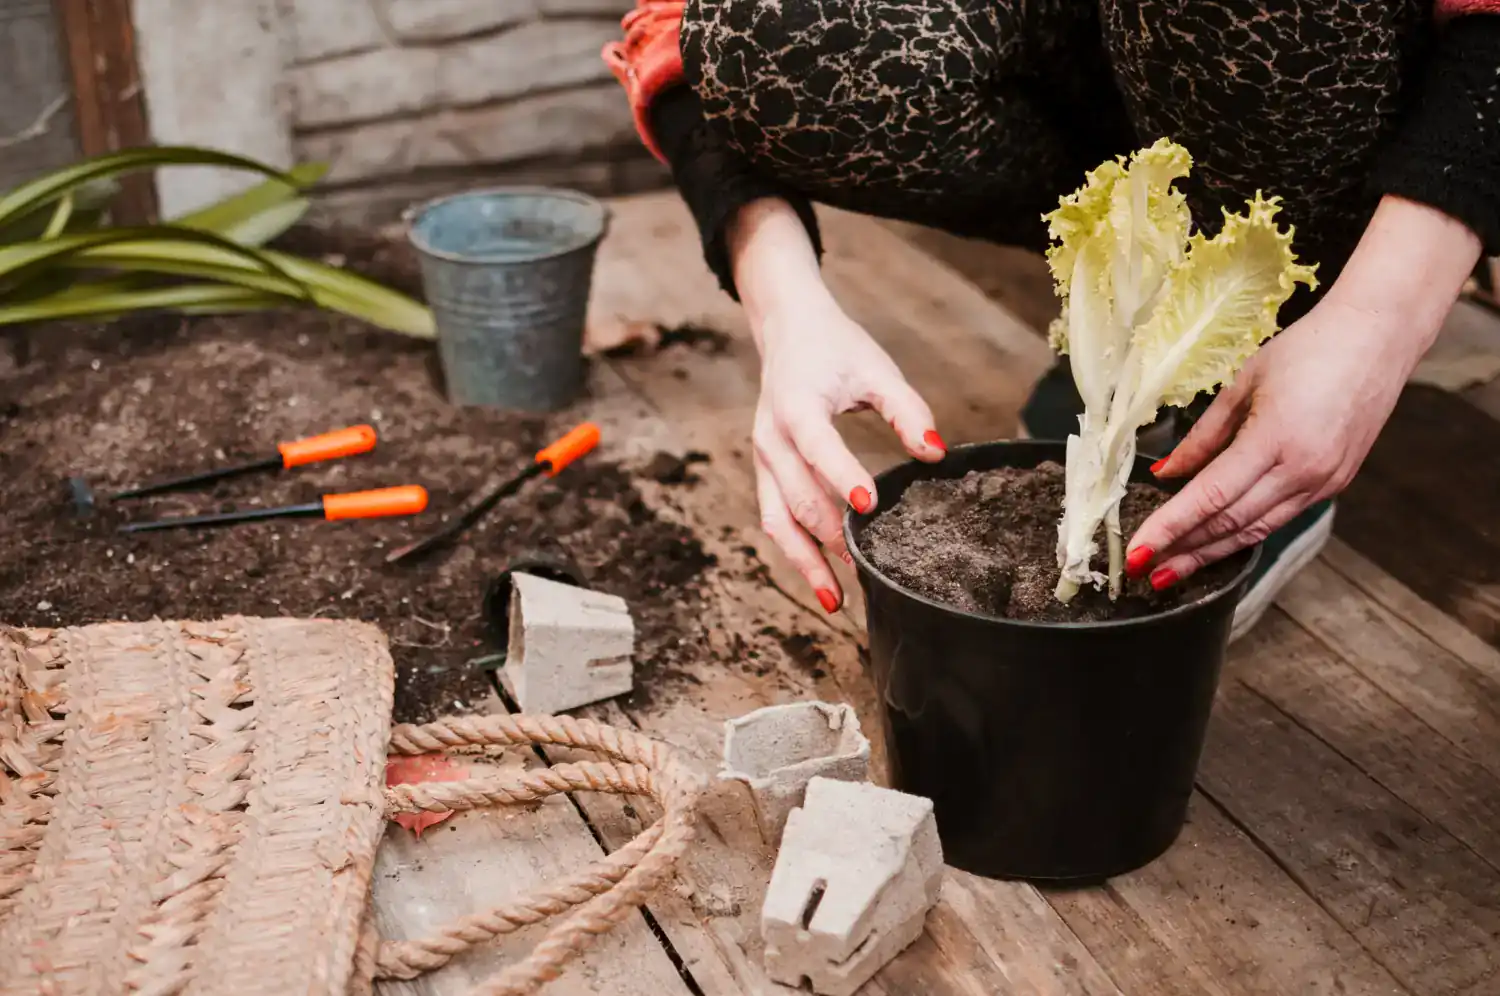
[(715, 179), (1446, 153)]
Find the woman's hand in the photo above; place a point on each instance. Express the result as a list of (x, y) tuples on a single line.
[(1300, 418), (816, 363)]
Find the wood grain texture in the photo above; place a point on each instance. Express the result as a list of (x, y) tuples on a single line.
[(1175, 927), (1344, 837), (478, 859), (110, 112)]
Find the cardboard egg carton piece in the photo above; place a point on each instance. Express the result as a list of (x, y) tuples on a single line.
[(569, 646), (777, 750), (858, 869)]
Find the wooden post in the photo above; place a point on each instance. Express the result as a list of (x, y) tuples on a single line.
[(99, 44)]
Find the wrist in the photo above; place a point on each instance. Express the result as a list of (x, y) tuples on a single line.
[(1404, 277), (772, 257)]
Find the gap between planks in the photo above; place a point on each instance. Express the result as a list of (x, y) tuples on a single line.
[(473, 860), (720, 391)]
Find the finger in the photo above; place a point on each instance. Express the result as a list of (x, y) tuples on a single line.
[(1220, 485), (908, 415), (811, 505), (1208, 436), (1267, 493), (824, 450), (1182, 566), (777, 522)]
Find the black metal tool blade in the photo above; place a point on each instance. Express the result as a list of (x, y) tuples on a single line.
[(480, 503), (192, 480), (224, 518)]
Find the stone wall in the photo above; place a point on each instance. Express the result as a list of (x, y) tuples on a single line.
[(406, 99)]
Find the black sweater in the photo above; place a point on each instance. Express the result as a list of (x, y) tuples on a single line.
[(1445, 153)]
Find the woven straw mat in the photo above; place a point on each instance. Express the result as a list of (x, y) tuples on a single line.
[(189, 807)]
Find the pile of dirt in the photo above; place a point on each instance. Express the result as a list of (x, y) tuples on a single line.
[(987, 543), (138, 399)]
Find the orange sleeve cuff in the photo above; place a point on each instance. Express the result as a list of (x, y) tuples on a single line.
[(647, 62)]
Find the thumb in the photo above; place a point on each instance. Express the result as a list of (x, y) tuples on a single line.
[(1209, 434)]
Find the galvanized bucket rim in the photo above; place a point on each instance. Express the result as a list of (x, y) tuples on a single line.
[(412, 214)]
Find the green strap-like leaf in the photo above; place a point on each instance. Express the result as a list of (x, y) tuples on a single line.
[(60, 217), (46, 189), (114, 298), (258, 215), (160, 248), (360, 297)]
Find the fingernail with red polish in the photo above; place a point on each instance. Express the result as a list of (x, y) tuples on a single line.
[(860, 499), (847, 558), (1163, 578), (1137, 560), (828, 600), (1158, 465), (931, 438)]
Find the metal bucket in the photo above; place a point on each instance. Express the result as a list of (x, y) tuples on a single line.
[(507, 273)]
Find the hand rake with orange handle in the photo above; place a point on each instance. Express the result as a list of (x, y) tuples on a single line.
[(550, 461), (406, 500), (314, 449)]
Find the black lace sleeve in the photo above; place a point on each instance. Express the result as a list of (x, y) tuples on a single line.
[(714, 179), (1447, 152)]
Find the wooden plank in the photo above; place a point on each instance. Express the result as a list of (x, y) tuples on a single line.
[(1414, 541), (1217, 905), (478, 859), (1458, 699), (1437, 626), (1322, 681), (110, 112), (704, 400), (1465, 358), (1422, 903), (712, 922), (1435, 447), (708, 408), (1016, 279)]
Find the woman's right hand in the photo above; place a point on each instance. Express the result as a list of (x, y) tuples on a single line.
[(816, 363)]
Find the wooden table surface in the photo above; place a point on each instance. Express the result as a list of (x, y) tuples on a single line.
[(1344, 837)]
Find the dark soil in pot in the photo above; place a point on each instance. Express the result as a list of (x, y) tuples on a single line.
[(1057, 743), (987, 543)]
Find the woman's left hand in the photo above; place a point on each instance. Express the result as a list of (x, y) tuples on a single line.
[(1300, 418), (1291, 430)]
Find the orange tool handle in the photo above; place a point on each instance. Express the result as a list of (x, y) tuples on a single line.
[(406, 500), (328, 446), (575, 444)]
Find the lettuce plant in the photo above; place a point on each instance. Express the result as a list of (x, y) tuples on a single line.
[(1151, 317)]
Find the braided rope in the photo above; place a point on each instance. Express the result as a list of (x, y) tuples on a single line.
[(604, 893)]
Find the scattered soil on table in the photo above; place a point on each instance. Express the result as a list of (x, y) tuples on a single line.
[(665, 468), (147, 397), (987, 542)]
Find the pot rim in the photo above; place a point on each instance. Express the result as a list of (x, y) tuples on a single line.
[(413, 215), (868, 568)]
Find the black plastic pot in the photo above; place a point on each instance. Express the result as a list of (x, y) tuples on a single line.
[(1060, 752)]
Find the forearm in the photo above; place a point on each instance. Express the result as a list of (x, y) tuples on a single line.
[(1404, 277), (773, 259)]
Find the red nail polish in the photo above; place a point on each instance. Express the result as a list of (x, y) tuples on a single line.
[(1137, 560), (1158, 465), (931, 438), (1163, 578), (828, 600), (860, 499)]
